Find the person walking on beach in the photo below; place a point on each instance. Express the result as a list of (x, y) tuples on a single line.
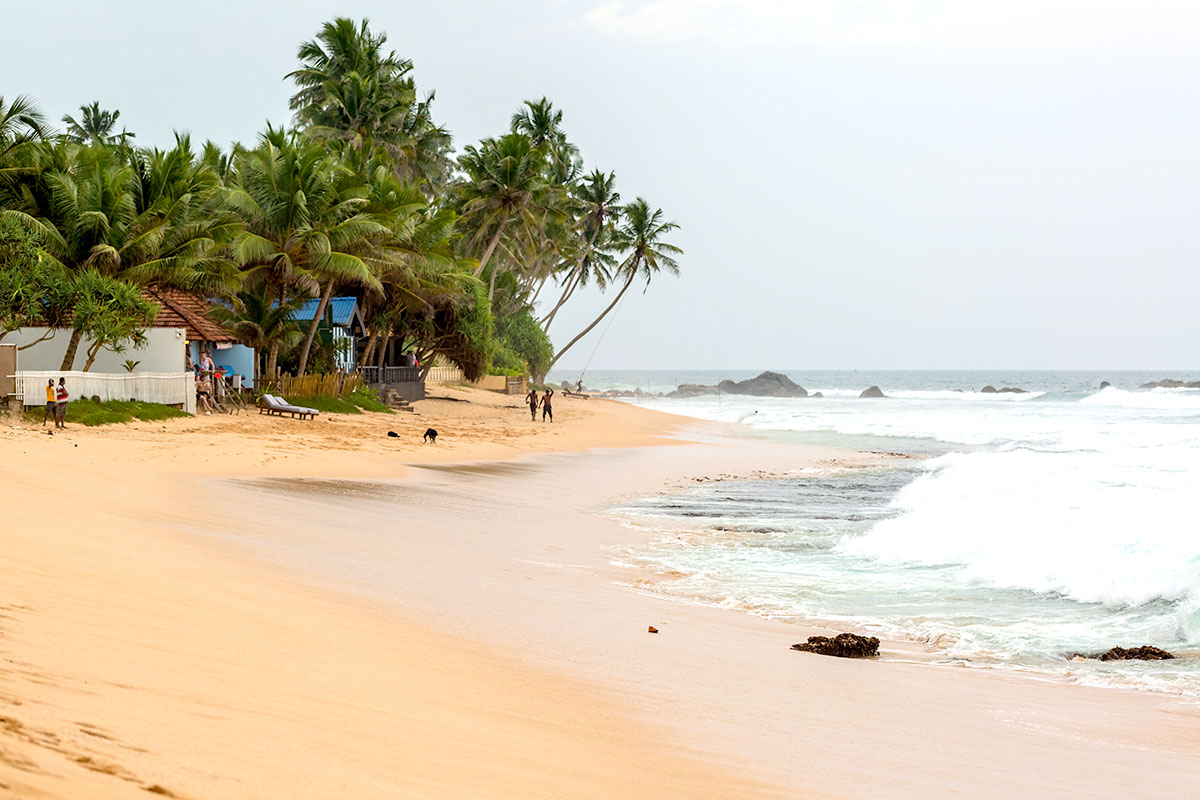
[(60, 403), (51, 403), (547, 411), (532, 399)]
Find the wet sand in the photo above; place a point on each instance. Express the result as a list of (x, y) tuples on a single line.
[(181, 613)]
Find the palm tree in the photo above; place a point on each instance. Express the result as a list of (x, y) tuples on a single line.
[(307, 229), (503, 184), (21, 124), (350, 92), (640, 233), (260, 323), (599, 207), (95, 126), (140, 224)]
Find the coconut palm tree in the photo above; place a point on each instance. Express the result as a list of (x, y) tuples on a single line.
[(20, 125), (96, 126), (261, 323), (504, 186), (139, 223), (598, 207), (640, 234), (307, 228)]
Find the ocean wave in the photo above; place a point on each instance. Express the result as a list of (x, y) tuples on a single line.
[(1170, 399)]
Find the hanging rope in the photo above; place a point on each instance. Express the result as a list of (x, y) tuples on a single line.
[(602, 335)]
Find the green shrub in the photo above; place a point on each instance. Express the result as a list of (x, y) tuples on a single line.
[(519, 337), (368, 400), (90, 412)]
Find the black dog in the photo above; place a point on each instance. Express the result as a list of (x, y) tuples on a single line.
[(430, 436)]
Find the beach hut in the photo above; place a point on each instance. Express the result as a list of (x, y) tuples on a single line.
[(181, 310), (342, 327)]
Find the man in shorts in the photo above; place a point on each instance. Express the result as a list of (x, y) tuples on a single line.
[(532, 399), (547, 411), (60, 406)]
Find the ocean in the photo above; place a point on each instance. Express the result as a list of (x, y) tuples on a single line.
[(1037, 525)]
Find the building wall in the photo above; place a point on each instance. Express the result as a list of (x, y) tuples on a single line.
[(239, 358), (163, 352), (8, 366)]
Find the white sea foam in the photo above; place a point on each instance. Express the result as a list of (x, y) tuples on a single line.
[(1063, 521)]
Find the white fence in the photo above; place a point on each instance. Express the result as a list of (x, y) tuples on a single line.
[(445, 375), (168, 388)]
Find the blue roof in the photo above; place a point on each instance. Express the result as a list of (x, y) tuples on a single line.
[(341, 308)]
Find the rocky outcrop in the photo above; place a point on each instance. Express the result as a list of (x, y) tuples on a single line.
[(1144, 653), (768, 384), (816, 394), (1105, 384), (844, 645), (1171, 384), (1005, 390), (872, 391)]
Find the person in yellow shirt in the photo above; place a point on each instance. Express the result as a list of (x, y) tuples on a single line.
[(51, 401)]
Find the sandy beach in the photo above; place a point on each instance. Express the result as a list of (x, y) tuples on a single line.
[(229, 607)]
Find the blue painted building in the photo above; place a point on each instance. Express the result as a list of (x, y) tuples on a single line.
[(342, 325)]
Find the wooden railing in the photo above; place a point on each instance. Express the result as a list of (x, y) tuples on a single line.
[(390, 374)]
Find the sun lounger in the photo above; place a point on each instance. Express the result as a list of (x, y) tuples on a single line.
[(271, 404)]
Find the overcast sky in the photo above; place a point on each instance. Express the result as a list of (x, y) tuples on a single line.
[(860, 184)]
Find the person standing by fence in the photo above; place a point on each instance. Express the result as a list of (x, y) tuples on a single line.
[(60, 403), (51, 403)]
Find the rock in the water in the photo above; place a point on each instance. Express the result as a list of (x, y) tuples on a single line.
[(1012, 390), (1105, 384), (844, 645), (1171, 384), (816, 394), (1144, 653), (988, 390), (768, 384), (872, 391)]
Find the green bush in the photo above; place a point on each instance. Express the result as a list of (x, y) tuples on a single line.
[(91, 413), (519, 339), (368, 400)]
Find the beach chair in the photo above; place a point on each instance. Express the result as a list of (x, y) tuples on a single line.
[(272, 405)]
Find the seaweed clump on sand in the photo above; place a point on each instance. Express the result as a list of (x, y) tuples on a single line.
[(844, 645)]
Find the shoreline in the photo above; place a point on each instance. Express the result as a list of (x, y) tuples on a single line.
[(713, 687)]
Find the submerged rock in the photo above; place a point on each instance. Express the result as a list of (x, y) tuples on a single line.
[(872, 391), (1012, 390), (816, 394), (1105, 384), (988, 390), (1144, 653), (844, 645), (1171, 384)]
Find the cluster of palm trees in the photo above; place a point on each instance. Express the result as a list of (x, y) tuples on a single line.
[(361, 195)]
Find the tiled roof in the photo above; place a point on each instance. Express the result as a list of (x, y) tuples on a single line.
[(180, 310)]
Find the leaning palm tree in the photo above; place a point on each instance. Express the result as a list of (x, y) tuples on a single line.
[(640, 233), (307, 228), (599, 208)]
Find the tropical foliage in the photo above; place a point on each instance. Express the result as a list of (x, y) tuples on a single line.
[(468, 257)]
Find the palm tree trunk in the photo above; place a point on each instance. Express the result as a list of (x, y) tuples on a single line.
[(312, 328), (596, 321), (68, 362), (491, 248), (566, 295), (492, 284)]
